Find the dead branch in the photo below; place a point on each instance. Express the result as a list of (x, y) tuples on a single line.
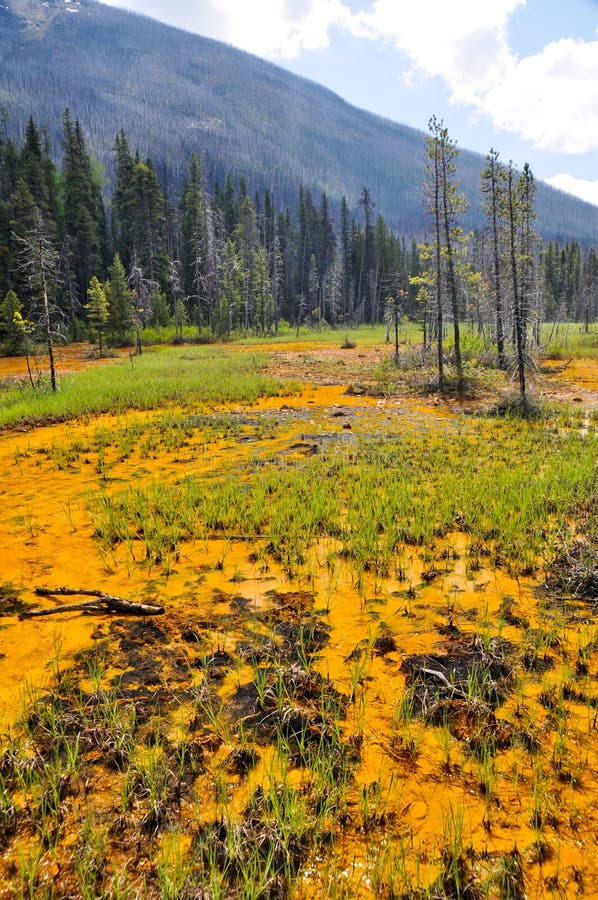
[(104, 603)]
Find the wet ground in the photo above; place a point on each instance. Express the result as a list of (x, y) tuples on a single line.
[(453, 683)]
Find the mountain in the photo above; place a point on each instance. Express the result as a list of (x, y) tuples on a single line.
[(175, 93)]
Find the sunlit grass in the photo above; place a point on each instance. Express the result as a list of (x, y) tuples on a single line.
[(568, 340), (384, 495), (198, 375), (288, 771)]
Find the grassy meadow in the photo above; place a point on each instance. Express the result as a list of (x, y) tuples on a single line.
[(196, 375), (376, 673)]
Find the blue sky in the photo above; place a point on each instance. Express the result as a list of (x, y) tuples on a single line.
[(517, 75)]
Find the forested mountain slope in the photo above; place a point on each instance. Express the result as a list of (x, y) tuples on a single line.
[(175, 93)]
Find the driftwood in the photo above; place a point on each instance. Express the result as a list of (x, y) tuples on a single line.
[(103, 603)]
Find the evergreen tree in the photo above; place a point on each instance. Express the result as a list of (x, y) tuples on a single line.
[(434, 200), (519, 210), (175, 278), (84, 216), (325, 251), (33, 170), (230, 290), (493, 188), (229, 210), (448, 203), (308, 224), (263, 302), (288, 240), (590, 288), (120, 303), (367, 280), (200, 262), (122, 200), (142, 292), (550, 266), (246, 239), (97, 309), (347, 281), (10, 333), (147, 224)]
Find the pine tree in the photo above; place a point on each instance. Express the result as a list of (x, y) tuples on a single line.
[(97, 309), (307, 220), (325, 250), (200, 246), (147, 224), (433, 197), (10, 334), (493, 188), (263, 302), (347, 281), (590, 288), (175, 278), (288, 239), (142, 292), (230, 290), (32, 168), (447, 204), (246, 239), (84, 216), (122, 200), (367, 281), (120, 303), (520, 213)]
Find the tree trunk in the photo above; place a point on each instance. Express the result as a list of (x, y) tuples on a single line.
[(48, 329), (516, 298)]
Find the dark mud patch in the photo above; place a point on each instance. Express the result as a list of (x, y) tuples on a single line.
[(384, 644), (508, 613), (146, 657), (289, 702), (470, 673), (258, 843), (241, 761), (300, 640), (573, 574), (132, 633), (10, 601), (216, 664)]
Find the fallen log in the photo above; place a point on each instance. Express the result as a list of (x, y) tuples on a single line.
[(103, 603)]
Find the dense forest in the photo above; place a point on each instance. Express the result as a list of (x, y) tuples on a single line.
[(227, 259), (178, 93)]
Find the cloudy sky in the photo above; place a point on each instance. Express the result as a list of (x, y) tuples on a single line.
[(517, 75)]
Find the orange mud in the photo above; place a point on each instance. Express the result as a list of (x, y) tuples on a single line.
[(71, 358), (411, 777), (575, 380)]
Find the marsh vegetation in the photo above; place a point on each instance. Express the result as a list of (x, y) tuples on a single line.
[(376, 674)]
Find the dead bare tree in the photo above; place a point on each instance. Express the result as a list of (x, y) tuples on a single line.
[(39, 261)]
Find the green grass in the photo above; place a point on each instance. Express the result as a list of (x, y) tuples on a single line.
[(360, 335), (179, 376), (558, 341), (387, 494), (569, 340)]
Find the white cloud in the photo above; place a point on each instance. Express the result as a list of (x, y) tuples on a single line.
[(587, 190), (464, 41), (551, 98), (272, 28)]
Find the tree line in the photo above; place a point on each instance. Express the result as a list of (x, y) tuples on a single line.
[(215, 256), (501, 276), (228, 261)]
